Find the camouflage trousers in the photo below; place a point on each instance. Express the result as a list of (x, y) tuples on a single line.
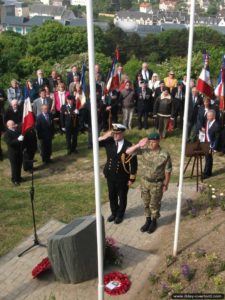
[(151, 194)]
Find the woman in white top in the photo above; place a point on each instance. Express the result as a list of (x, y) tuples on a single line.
[(154, 83)]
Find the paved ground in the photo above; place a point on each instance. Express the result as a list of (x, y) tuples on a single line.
[(139, 249)]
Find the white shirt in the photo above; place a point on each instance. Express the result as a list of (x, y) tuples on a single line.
[(120, 145)]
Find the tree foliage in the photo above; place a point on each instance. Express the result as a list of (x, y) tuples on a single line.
[(53, 45)]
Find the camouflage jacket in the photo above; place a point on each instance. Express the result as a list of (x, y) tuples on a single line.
[(155, 163)]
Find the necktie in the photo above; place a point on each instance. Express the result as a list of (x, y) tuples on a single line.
[(47, 118), (146, 77), (116, 147)]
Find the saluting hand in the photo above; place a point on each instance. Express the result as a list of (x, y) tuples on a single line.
[(143, 142)]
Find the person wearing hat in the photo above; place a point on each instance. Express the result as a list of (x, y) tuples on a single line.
[(153, 84), (157, 168), (170, 81), (120, 170)]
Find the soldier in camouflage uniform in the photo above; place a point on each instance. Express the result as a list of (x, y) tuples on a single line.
[(157, 167)]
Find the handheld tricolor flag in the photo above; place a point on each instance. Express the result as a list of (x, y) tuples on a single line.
[(220, 88), (204, 84), (28, 116), (113, 79)]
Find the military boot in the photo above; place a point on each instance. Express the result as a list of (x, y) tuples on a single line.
[(146, 225), (152, 226)]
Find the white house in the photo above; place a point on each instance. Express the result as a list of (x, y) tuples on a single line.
[(145, 7), (167, 5), (21, 9), (78, 2)]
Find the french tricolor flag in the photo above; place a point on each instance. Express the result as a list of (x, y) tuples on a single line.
[(113, 78), (220, 88), (204, 84), (28, 116)]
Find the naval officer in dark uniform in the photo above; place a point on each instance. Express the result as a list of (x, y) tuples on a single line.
[(120, 170)]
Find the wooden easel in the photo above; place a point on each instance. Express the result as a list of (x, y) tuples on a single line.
[(197, 164), (196, 151)]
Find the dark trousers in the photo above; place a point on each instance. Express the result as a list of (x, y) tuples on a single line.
[(117, 196), (46, 149), (208, 164), (142, 114), (71, 138), (16, 166), (178, 111)]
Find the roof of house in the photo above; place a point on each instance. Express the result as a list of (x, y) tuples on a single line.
[(51, 10), (14, 21), (38, 20), (173, 26)]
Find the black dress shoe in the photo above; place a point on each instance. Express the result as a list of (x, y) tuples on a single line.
[(111, 218), (118, 220), (16, 183), (75, 151)]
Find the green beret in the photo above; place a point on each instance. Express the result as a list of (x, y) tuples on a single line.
[(153, 136)]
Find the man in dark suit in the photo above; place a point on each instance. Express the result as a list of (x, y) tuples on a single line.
[(195, 101), (40, 81), (45, 133), (144, 105), (69, 118), (160, 89), (14, 141), (120, 170), (15, 113), (202, 114), (178, 96), (212, 133), (146, 72), (73, 73)]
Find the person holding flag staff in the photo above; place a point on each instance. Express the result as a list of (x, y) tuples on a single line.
[(14, 140), (157, 168), (120, 170)]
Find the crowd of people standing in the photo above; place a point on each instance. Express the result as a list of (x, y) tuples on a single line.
[(64, 106)]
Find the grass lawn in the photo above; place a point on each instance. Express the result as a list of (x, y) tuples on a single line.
[(64, 189)]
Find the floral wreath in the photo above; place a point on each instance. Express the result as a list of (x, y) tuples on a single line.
[(116, 283), (43, 266)]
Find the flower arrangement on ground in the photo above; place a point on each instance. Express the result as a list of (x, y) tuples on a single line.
[(116, 283), (40, 268)]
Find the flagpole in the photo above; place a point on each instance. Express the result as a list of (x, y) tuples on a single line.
[(94, 123), (185, 125)]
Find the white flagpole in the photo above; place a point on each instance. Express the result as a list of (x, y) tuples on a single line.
[(185, 125), (94, 123)]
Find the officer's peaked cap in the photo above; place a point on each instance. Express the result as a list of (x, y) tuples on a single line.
[(116, 127)]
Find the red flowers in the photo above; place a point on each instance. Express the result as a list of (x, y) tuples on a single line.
[(116, 283), (43, 266)]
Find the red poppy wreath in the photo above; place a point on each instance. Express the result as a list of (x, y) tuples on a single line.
[(116, 283), (43, 266)]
